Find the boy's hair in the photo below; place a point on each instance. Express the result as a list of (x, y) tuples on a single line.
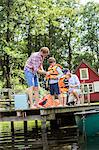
[(44, 50), (68, 73), (52, 60)]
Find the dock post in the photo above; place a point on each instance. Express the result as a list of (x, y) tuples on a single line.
[(44, 134), (88, 98), (36, 126), (12, 133), (25, 133), (12, 128), (25, 127)]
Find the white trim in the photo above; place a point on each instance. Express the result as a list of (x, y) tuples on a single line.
[(87, 86), (84, 69), (96, 86)]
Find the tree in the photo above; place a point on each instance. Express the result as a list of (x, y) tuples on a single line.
[(89, 39)]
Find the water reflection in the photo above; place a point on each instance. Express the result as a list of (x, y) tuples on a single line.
[(91, 143), (30, 139)]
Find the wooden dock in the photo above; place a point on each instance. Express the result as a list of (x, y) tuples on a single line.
[(60, 118), (54, 115), (48, 113)]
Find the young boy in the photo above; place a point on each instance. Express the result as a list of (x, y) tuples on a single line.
[(64, 85), (54, 73)]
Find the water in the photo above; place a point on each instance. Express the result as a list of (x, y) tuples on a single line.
[(19, 140), (91, 143), (30, 140)]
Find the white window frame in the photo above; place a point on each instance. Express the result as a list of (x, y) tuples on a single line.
[(85, 69), (92, 88), (82, 87), (96, 86)]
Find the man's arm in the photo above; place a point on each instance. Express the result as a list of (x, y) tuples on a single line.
[(41, 70)]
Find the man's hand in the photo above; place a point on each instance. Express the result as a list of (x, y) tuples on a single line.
[(30, 67), (47, 73), (42, 72), (72, 86)]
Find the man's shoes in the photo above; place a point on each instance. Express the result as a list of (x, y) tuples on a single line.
[(33, 107), (70, 104)]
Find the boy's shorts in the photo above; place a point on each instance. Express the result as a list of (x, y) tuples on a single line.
[(54, 89), (31, 79), (71, 97), (78, 91)]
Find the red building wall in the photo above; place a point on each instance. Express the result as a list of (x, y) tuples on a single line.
[(94, 96), (92, 77)]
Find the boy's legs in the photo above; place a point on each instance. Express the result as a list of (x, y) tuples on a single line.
[(71, 98), (60, 100), (76, 95), (57, 92), (54, 90), (52, 94), (64, 99)]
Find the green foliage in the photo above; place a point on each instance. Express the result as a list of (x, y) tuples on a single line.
[(87, 56), (64, 26), (90, 32)]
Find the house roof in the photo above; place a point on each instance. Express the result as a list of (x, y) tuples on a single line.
[(83, 61)]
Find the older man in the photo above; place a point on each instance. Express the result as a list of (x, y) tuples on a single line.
[(34, 65), (74, 86)]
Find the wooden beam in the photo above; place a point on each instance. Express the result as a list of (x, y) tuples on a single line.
[(15, 118), (55, 110), (44, 134)]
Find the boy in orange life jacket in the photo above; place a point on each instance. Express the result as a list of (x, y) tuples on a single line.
[(63, 85), (54, 73)]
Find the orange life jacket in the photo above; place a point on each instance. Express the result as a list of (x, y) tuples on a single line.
[(47, 101), (62, 85), (53, 71)]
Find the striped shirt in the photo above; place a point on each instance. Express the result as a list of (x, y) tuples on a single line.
[(35, 61)]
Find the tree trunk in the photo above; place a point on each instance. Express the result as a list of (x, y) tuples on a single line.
[(29, 42), (69, 52), (7, 64), (70, 56)]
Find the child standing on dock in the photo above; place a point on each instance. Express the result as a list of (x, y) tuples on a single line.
[(34, 65), (64, 86), (54, 73)]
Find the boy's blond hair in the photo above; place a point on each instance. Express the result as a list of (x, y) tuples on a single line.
[(52, 60)]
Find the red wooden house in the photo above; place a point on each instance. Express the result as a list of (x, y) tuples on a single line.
[(89, 79)]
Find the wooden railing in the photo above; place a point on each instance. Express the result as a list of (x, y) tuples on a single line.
[(6, 98)]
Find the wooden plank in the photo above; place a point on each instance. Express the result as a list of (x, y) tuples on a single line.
[(6, 100), (55, 110), (69, 127), (44, 134), (15, 118)]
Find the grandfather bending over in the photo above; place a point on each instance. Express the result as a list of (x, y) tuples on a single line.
[(34, 65), (74, 86)]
